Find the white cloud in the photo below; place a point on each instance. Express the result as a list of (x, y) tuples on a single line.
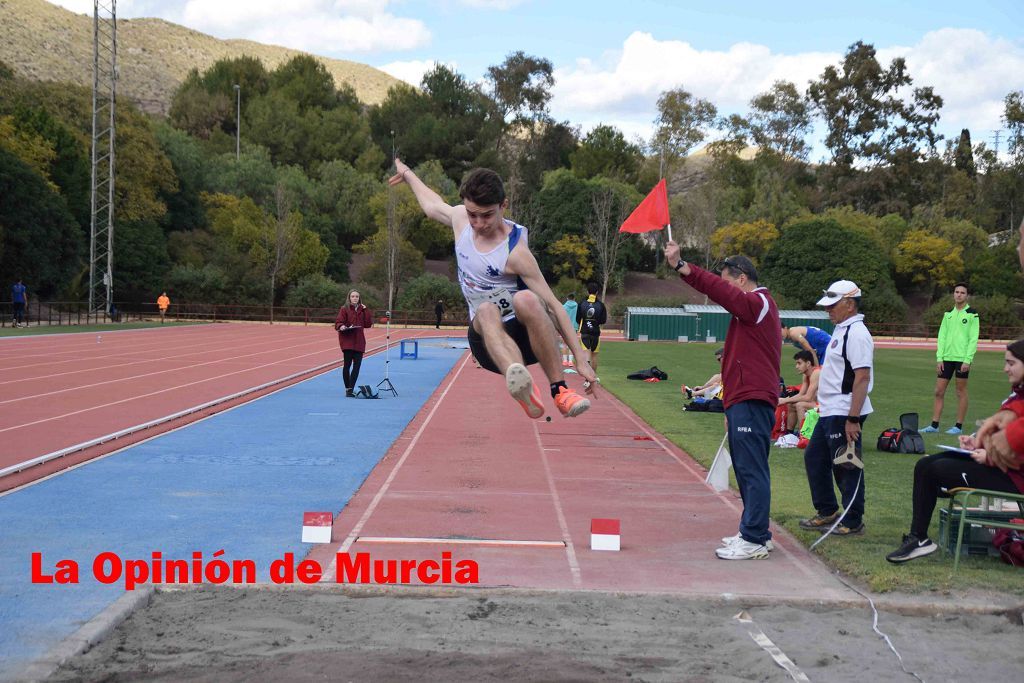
[(313, 25), (971, 70), (412, 72)]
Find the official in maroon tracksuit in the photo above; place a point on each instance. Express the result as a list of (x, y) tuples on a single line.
[(352, 319), (750, 377)]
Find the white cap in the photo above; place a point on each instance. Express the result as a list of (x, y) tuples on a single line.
[(840, 289)]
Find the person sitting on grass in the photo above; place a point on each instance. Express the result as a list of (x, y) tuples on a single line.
[(711, 388), (807, 398), (991, 464)]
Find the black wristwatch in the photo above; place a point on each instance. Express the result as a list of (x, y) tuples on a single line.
[(679, 265), (853, 418)]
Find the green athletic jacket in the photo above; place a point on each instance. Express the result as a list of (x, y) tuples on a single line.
[(958, 336)]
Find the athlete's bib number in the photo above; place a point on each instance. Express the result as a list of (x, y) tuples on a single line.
[(500, 297)]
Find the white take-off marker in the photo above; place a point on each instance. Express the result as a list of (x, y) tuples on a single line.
[(604, 534), (316, 527)]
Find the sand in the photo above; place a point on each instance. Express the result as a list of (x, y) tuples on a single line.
[(342, 634)]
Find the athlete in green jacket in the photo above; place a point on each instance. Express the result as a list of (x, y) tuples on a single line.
[(958, 342)]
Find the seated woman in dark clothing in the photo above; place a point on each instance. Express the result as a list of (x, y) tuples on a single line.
[(984, 468)]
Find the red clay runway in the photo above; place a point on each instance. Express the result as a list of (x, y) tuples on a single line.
[(473, 467)]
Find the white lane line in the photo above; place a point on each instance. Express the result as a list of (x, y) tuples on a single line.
[(459, 541), (329, 573), (570, 549)]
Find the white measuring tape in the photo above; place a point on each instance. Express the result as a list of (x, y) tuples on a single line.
[(771, 648)]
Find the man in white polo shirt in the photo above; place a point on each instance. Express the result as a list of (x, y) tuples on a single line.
[(843, 387)]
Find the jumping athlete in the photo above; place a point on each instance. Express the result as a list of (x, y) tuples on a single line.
[(513, 315)]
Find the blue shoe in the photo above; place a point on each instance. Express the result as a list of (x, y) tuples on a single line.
[(930, 430), (953, 430)]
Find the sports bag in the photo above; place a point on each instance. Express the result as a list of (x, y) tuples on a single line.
[(902, 439), (651, 372), (1010, 544)]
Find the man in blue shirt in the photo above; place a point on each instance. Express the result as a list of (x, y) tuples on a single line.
[(19, 299), (808, 338)]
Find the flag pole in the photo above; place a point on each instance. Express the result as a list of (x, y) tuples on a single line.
[(669, 226)]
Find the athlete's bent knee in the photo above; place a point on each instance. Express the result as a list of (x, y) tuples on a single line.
[(527, 305)]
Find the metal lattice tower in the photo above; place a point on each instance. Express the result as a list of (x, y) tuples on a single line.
[(104, 81)]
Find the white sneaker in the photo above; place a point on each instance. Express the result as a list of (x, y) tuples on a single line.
[(742, 550), (729, 540)]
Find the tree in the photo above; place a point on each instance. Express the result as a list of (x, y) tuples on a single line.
[(196, 110), (572, 256), (31, 148), (408, 261), (866, 117), (925, 259), (304, 80), (1013, 115), (605, 151), (520, 88), (424, 291), (779, 122), (611, 203), (69, 168), (40, 241), (964, 156), (753, 240), (811, 254), (315, 291), (681, 124), (276, 244)]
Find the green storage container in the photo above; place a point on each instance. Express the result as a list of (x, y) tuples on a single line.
[(713, 320), (659, 324)]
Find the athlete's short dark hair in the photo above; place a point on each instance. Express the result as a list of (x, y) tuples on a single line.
[(483, 186), (964, 285), (804, 355), (591, 288)]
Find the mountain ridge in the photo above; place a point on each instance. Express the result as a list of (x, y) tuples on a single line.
[(44, 42)]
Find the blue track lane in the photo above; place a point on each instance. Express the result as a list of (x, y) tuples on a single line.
[(238, 481)]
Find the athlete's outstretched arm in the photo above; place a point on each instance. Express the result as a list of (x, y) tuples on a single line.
[(432, 204)]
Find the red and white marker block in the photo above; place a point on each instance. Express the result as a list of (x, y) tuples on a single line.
[(316, 527), (604, 534)]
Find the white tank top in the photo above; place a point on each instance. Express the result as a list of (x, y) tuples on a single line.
[(482, 277)]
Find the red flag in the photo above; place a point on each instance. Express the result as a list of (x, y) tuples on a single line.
[(652, 213)]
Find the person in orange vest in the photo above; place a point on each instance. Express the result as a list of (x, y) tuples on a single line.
[(163, 303)]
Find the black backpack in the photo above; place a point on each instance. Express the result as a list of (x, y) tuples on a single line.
[(652, 371), (902, 439)]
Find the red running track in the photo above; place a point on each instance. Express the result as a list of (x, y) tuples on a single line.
[(472, 475), (60, 391)]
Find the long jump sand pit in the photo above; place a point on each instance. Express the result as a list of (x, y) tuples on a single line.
[(228, 634)]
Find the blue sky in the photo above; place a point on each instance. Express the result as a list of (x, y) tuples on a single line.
[(613, 59)]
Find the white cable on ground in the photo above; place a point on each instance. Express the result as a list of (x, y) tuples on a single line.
[(874, 620), (874, 627)]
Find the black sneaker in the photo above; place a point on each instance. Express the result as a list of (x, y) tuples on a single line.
[(843, 530), (349, 393), (913, 547), (819, 522)]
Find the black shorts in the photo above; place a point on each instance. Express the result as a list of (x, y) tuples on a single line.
[(515, 329), (951, 368), (590, 342)]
